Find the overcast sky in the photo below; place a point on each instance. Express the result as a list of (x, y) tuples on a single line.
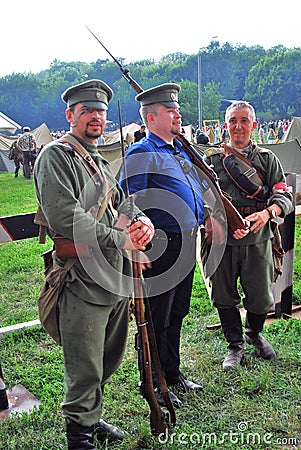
[(35, 32)]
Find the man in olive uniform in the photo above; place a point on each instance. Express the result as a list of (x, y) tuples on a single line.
[(248, 253), (27, 144), (93, 305)]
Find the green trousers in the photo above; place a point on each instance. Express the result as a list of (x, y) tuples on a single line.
[(253, 266), (94, 340)]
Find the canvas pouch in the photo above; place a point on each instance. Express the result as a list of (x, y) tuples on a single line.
[(49, 295)]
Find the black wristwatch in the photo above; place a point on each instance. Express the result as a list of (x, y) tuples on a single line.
[(272, 212)]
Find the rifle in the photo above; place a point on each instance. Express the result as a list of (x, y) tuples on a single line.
[(234, 219), (145, 341), (125, 72)]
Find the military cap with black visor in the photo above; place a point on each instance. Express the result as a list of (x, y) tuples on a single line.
[(166, 94), (93, 94)]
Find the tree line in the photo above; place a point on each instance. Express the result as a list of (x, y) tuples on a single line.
[(269, 79)]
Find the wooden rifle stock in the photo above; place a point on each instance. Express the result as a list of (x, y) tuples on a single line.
[(234, 218), (160, 421)]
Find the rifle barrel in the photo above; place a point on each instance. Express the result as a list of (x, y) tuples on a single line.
[(94, 35)]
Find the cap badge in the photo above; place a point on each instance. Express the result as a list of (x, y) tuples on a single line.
[(98, 95), (173, 96)]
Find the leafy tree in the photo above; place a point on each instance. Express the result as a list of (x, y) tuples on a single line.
[(270, 79), (211, 101), (274, 82)]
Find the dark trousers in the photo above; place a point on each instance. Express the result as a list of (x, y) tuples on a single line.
[(169, 284), (26, 164)]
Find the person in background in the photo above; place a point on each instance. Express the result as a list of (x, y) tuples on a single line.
[(16, 155), (168, 189), (139, 134), (201, 137), (94, 302), (261, 133), (271, 135), (27, 144), (248, 254)]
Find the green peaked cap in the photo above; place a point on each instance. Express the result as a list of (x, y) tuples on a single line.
[(92, 93), (166, 94)]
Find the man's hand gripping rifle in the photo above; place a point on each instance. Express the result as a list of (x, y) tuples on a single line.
[(145, 341)]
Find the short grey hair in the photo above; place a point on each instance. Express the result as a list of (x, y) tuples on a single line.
[(240, 104), (145, 110)]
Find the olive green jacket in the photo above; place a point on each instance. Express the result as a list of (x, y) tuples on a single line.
[(66, 193), (270, 167)]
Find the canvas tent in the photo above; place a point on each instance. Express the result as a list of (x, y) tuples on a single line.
[(289, 153), (42, 134), (112, 151), (7, 124), (293, 131), (128, 134)]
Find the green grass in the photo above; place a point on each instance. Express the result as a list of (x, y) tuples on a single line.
[(256, 408)]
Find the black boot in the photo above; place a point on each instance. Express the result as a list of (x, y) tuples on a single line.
[(79, 437), (232, 327), (16, 172), (104, 431), (253, 327)]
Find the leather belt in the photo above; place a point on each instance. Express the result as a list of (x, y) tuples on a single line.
[(66, 248), (186, 234)]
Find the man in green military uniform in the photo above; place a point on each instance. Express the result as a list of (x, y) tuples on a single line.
[(258, 190), (93, 305)]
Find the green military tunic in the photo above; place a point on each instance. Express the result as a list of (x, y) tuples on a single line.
[(250, 258), (93, 306)]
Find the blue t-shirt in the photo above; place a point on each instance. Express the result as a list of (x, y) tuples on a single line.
[(167, 186)]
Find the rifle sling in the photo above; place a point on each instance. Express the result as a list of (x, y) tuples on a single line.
[(93, 170), (244, 159), (244, 174)]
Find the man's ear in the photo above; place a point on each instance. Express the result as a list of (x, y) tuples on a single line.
[(68, 114), (150, 117)]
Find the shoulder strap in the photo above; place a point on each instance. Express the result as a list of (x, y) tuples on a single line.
[(84, 156), (213, 151), (244, 175), (98, 210), (242, 158)]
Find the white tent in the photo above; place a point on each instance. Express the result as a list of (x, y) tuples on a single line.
[(7, 124), (42, 134), (127, 131)]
